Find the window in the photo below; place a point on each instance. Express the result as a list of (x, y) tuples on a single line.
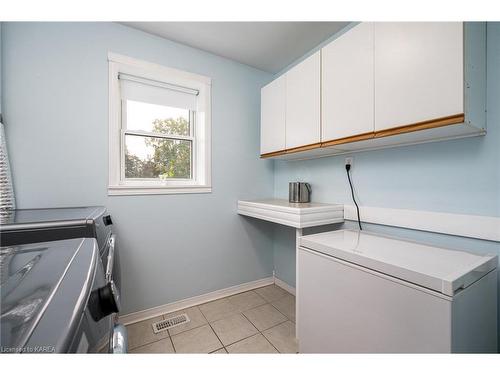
[(159, 129)]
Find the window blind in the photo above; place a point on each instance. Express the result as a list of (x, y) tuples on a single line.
[(156, 92)]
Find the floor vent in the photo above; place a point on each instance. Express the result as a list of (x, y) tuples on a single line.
[(172, 322)]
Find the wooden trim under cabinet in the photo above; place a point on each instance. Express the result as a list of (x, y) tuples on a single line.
[(272, 154), (423, 125), (312, 146), (291, 150), (350, 139)]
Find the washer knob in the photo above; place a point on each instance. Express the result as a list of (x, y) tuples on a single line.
[(105, 301)]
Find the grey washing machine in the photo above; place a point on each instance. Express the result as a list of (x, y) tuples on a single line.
[(55, 299), (26, 226)]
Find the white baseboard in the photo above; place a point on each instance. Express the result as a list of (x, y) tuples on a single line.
[(290, 289), (473, 226), (193, 301)]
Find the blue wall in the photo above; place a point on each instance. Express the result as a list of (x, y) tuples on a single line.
[(55, 104)]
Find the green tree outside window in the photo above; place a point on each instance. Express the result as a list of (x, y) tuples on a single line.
[(170, 158)]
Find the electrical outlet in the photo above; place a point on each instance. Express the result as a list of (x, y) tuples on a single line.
[(349, 161)]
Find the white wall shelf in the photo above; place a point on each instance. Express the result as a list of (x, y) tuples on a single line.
[(296, 215)]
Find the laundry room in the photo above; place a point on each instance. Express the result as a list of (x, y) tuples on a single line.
[(281, 186)]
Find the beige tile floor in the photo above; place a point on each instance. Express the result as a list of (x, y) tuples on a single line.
[(258, 321)]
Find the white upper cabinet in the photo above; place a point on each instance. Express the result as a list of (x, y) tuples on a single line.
[(272, 120), (303, 103), (379, 85), (347, 84), (419, 72)]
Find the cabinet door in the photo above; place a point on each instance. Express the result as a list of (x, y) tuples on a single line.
[(347, 84), (419, 73), (272, 120), (303, 103)]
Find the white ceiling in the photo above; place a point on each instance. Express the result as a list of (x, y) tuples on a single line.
[(269, 46)]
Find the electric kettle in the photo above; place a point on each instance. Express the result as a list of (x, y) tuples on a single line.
[(299, 192)]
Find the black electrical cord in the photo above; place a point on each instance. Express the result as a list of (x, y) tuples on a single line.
[(347, 169)]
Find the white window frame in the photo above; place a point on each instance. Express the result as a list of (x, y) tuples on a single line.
[(200, 181)]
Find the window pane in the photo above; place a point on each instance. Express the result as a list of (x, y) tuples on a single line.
[(152, 157), (157, 118)]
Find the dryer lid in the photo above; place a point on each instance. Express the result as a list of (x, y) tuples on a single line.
[(42, 217), (32, 276)]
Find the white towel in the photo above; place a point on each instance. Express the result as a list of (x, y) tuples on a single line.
[(7, 201)]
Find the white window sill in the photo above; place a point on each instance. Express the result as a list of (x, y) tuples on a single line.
[(157, 190)]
